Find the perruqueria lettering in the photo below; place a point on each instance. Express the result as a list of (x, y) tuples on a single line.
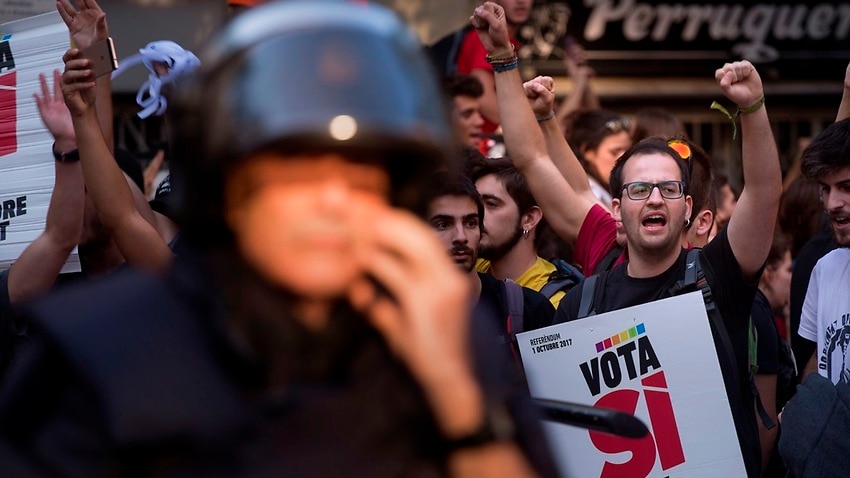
[(751, 23)]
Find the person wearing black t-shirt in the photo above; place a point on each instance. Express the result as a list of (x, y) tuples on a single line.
[(654, 206)]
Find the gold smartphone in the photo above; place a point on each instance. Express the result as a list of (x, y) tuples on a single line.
[(102, 56)]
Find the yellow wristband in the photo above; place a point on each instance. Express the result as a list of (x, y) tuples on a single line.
[(750, 109)]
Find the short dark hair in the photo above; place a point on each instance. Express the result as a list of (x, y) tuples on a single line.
[(446, 183), (586, 129), (504, 169), (828, 152), (801, 212), (780, 244), (647, 146), (700, 181), (462, 85), (721, 180), (516, 186)]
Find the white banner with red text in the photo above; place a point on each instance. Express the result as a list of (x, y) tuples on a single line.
[(656, 361), (27, 47)]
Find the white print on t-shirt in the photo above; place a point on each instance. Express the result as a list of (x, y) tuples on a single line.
[(834, 362)]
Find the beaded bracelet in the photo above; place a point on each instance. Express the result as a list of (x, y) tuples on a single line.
[(503, 67), (541, 119), (503, 56)]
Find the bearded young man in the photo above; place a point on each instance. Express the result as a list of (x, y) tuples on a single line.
[(824, 320), (509, 242)]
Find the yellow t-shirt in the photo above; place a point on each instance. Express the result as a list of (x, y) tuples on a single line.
[(534, 278)]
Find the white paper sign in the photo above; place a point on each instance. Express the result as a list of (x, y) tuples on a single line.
[(27, 47), (656, 361)]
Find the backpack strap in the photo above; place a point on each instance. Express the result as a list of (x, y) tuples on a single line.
[(553, 286), (592, 288), (514, 321), (563, 278), (515, 307), (695, 276), (608, 260), (752, 356), (753, 347)]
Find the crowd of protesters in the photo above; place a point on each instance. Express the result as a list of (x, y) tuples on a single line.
[(336, 283)]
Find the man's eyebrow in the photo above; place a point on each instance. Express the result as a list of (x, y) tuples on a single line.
[(470, 216), (491, 196), (843, 183), (442, 217)]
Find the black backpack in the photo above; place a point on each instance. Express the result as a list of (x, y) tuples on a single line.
[(563, 278)]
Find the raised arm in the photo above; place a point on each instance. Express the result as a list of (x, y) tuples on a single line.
[(87, 26), (541, 94), (36, 269), (751, 227), (136, 238), (563, 207), (488, 104), (844, 107)]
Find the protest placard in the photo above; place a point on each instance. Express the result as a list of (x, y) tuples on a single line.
[(27, 47), (656, 361)]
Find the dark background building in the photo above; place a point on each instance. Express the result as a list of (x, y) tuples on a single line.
[(645, 53)]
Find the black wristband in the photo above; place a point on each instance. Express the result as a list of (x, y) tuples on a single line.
[(70, 157), (496, 426)]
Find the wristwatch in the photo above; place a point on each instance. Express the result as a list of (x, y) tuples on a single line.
[(496, 426), (68, 157)]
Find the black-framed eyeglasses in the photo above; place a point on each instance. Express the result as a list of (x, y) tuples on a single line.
[(640, 190)]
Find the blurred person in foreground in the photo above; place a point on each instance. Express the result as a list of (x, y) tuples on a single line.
[(318, 328)]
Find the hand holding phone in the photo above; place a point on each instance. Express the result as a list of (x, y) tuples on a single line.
[(102, 56)]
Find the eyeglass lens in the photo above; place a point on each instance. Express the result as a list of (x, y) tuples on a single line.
[(642, 190)]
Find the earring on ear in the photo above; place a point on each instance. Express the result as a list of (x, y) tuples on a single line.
[(525, 233), (687, 223)]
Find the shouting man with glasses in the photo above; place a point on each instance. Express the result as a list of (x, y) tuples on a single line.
[(654, 206)]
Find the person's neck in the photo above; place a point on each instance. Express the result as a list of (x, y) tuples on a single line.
[(693, 240), (643, 265), (516, 262)]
